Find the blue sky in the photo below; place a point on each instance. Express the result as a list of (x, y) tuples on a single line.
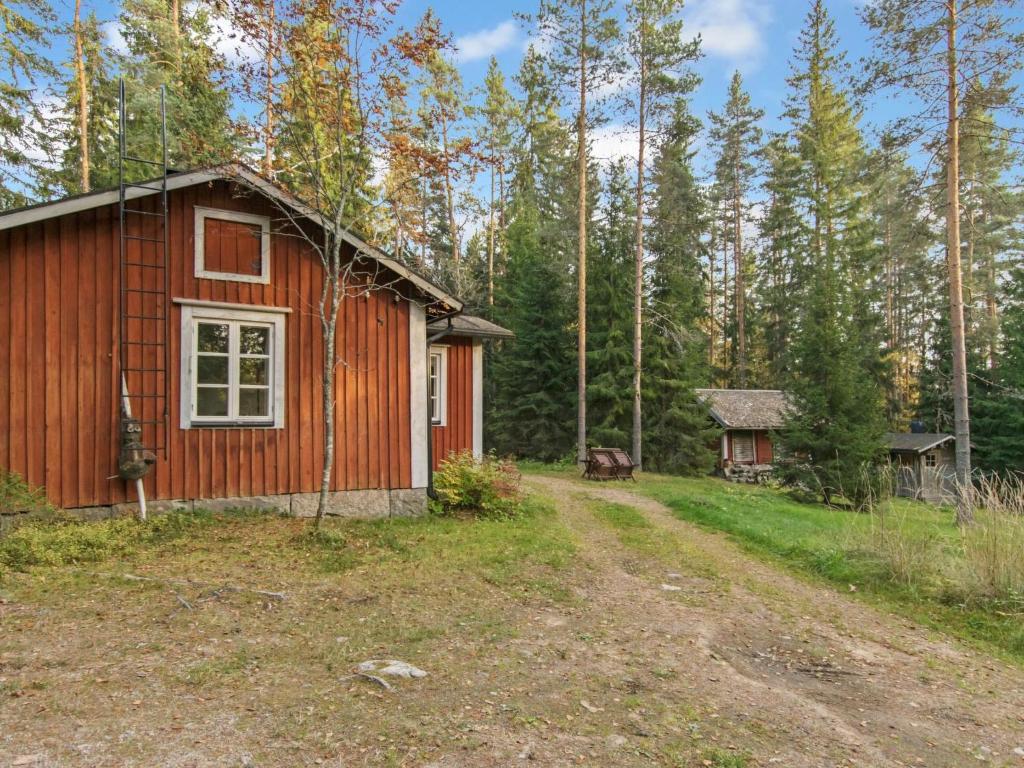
[(756, 37)]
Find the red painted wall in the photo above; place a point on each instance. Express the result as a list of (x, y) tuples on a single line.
[(457, 433), (59, 395)]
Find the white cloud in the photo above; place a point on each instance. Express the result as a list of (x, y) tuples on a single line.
[(614, 142), (729, 29), (115, 39), (486, 42)]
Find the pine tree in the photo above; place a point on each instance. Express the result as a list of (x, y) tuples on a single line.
[(583, 55), (837, 423), (677, 429), (659, 58), (736, 132), (936, 49), (23, 125)]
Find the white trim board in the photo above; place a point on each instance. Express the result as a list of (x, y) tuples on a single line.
[(203, 213), (252, 313), (478, 398), (419, 419)]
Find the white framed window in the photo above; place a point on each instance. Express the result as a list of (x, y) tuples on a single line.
[(231, 245), (930, 460), (232, 366), (438, 385)]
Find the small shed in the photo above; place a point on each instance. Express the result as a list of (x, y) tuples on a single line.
[(925, 465), (747, 417)]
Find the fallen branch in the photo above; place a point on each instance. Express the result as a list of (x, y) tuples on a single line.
[(183, 601)]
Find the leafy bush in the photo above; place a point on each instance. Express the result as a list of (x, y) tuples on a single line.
[(469, 487)]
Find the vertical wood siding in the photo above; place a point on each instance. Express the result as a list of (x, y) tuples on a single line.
[(59, 394), (763, 446), (457, 433)]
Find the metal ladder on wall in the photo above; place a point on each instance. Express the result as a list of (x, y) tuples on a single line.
[(144, 349)]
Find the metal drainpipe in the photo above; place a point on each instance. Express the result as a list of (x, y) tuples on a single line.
[(431, 493)]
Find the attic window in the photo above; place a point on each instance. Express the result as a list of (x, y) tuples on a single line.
[(231, 245)]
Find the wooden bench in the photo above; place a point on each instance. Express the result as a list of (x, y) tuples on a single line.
[(608, 464)]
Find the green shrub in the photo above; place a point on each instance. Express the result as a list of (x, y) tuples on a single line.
[(470, 487), (17, 497), (70, 542)]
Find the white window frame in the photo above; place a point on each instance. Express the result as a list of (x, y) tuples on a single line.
[(440, 418), (212, 312), (933, 458), (202, 214)]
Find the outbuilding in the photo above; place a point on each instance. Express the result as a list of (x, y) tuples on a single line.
[(747, 418), (925, 465)]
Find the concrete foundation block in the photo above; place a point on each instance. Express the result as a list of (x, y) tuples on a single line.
[(131, 508), (408, 502), (279, 504)]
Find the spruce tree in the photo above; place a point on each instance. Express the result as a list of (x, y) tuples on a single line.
[(837, 423), (737, 135), (678, 430), (23, 125)]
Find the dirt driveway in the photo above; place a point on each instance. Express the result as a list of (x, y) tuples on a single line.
[(796, 674), (647, 642)]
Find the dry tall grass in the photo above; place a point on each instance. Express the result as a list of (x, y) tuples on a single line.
[(993, 546)]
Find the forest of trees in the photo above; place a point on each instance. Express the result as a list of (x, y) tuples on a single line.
[(811, 258)]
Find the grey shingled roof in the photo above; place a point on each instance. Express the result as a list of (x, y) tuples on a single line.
[(471, 325), (915, 442), (746, 408)]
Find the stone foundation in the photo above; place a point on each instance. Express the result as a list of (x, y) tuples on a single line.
[(374, 504), (748, 473)]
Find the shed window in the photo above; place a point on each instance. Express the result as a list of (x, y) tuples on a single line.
[(930, 460), (231, 245), (743, 447), (234, 371), (438, 384)]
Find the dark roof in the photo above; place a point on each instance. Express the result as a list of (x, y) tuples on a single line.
[(915, 442), (235, 172), (746, 408), (473, 326)]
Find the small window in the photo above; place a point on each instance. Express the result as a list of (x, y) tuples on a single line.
[(231, 245), (438, 384), (234, 370), (930, 460)]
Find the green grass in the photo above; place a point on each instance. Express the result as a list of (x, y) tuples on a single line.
[(909, 556)]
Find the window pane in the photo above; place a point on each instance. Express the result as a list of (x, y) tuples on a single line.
[(254, 340), (253, 370), (213, 337), (212, 370), (212, 401), (253, 402)]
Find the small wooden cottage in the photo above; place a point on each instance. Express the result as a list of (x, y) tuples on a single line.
[(747, 417), (925, 465), (185, 346)]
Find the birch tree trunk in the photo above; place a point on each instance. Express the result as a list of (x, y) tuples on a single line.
[(961, 413), (268, 141)]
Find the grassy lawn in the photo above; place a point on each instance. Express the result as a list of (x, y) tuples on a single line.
[(154, 631), (909, 557)]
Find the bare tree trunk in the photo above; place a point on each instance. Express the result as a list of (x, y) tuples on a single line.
[(725, 309), (83, 101), (712, 266), (490, 246), (268, 141), (638, 285), (992, 334), (961, 412), (741, 288), (581, 270)]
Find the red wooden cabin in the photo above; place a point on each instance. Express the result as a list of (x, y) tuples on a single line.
[(747, 418), (222, 355)]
